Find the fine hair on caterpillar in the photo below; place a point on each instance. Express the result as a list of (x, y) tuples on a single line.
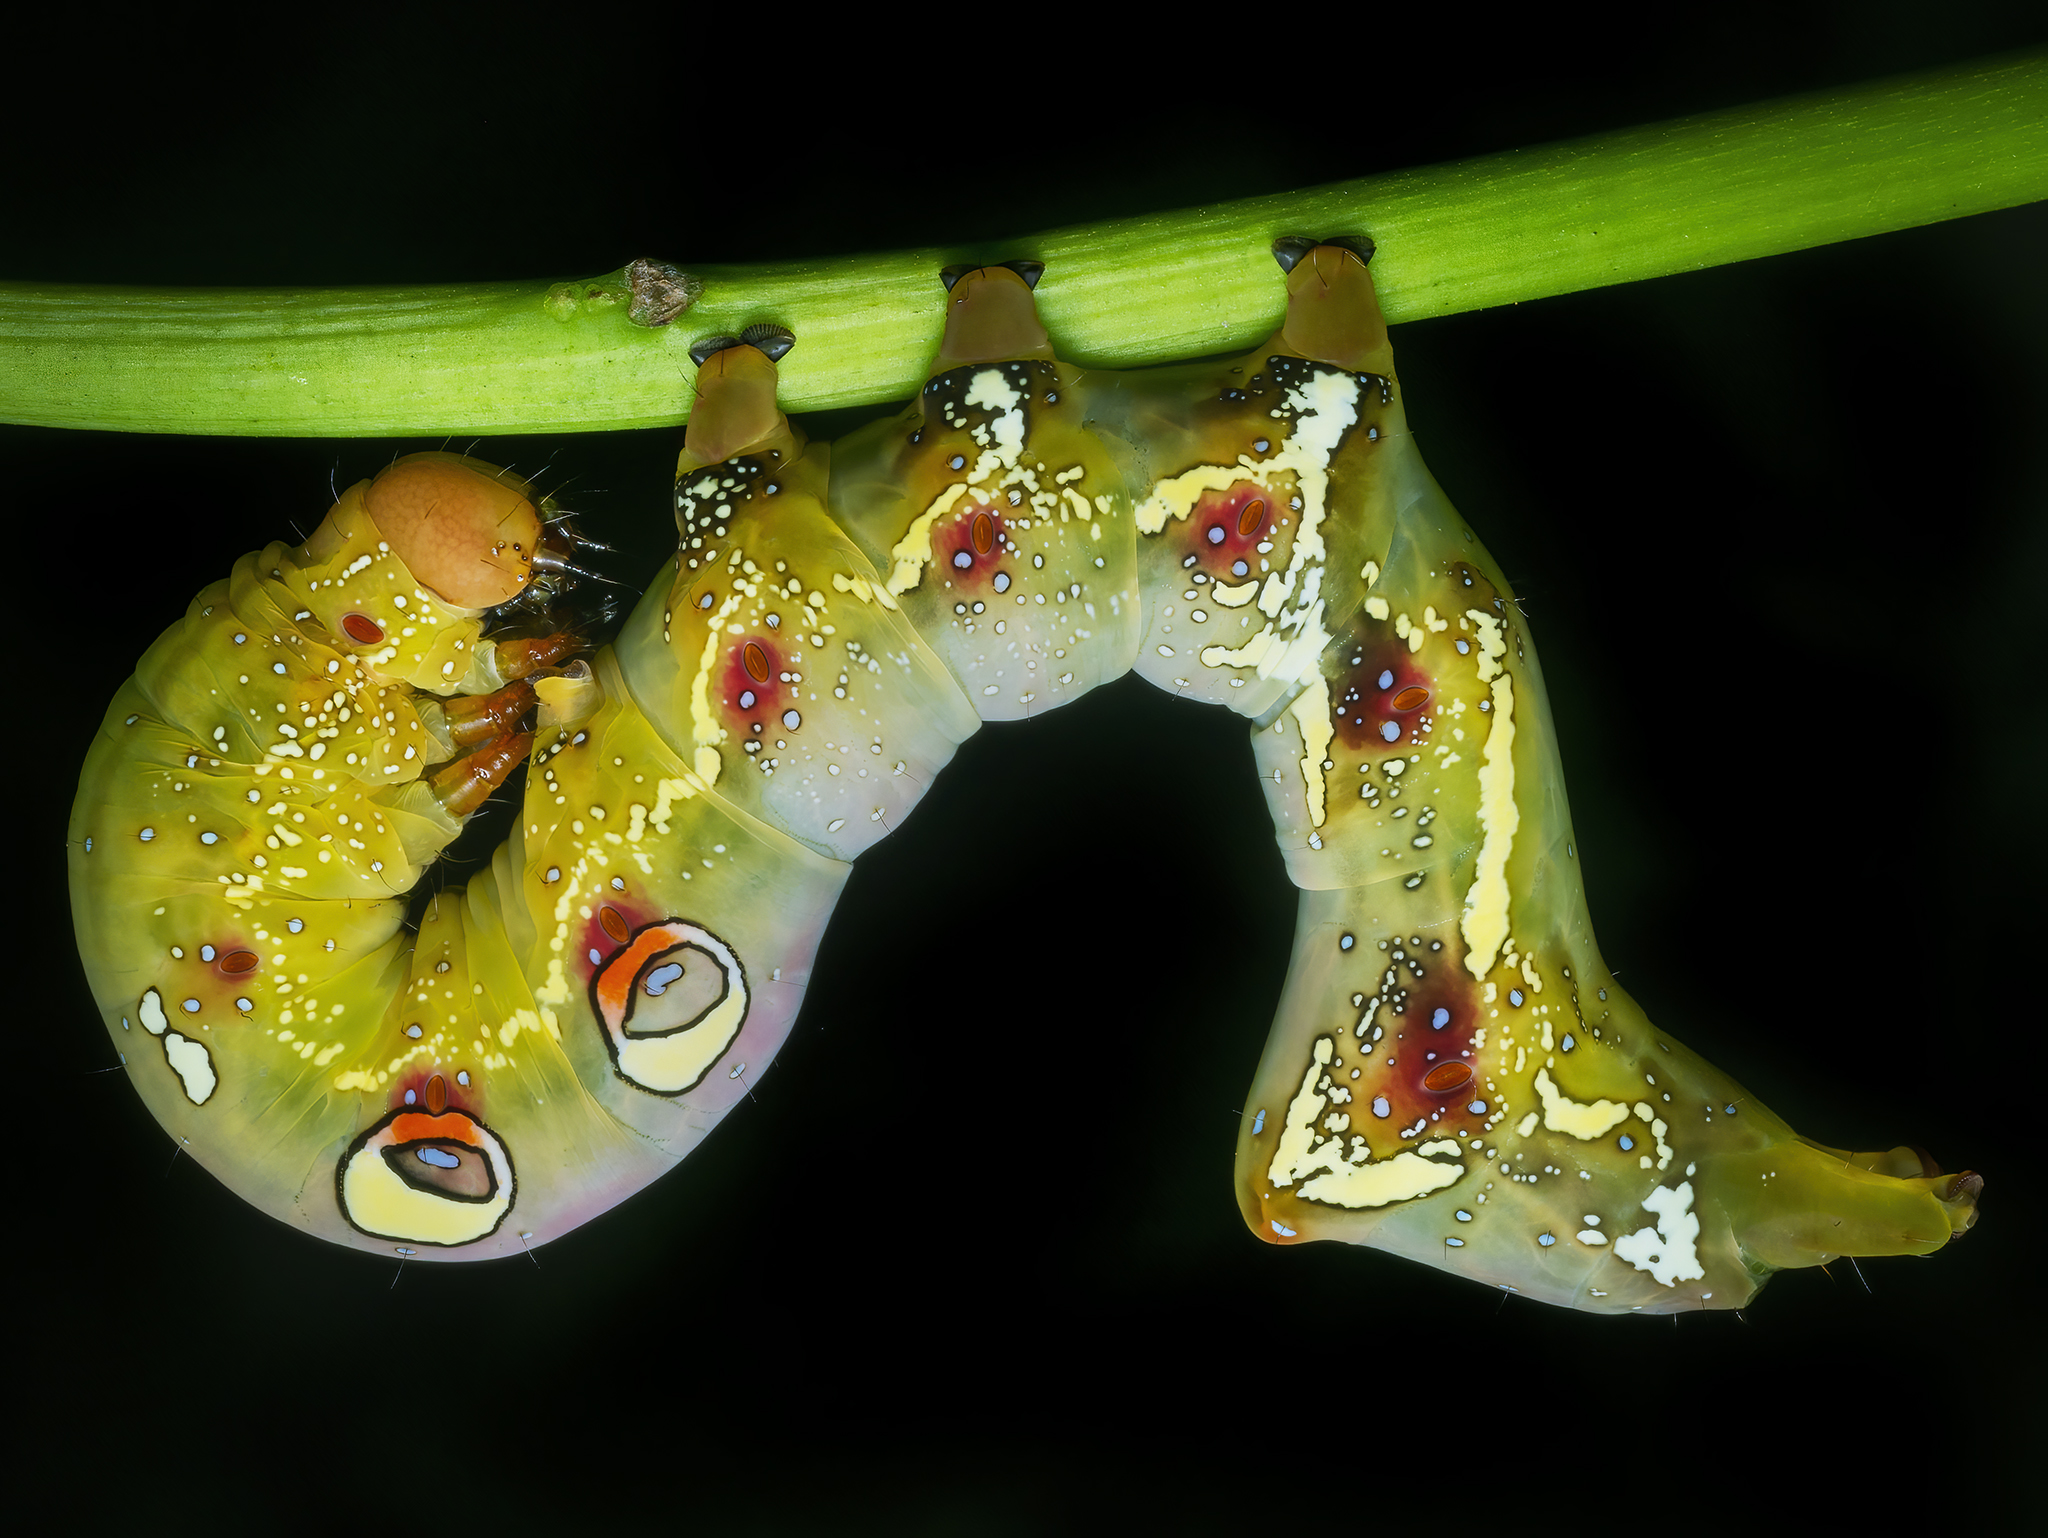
[(1453, 1074)]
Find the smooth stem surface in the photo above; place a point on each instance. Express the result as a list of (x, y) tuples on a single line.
[(540, 357)]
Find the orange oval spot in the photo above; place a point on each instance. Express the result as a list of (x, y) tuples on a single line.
[(756, 661), (1445, 1077), (235, 963), (983, 530), (1252, 518), (437, 1095), (361, 629), (1414, 697), (613, 924)]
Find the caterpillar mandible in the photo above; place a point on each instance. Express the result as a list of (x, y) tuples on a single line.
[(1452, 1074)]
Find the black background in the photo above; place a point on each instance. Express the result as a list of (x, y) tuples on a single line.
[(1780, 531)]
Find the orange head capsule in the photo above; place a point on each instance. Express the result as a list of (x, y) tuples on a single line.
[(465, 529)]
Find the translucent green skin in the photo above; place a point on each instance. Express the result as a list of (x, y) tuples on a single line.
[(838, 610)]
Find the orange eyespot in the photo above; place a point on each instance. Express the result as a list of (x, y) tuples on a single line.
[(983, 530), (756, 661), (1252, 518), (361, 629), (235, 963), (1445, 1077), (614, 924), (1414, 697), (437, 1095)]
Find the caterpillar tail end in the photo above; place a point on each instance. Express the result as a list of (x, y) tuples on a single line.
[(1798, 1204)]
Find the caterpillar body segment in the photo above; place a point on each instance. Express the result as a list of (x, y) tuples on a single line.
[(1452, 1074), (786, 673), (1264, 501), (995, 516), (642, 944)]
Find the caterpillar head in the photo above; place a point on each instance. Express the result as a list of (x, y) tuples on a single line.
[(465, 529)]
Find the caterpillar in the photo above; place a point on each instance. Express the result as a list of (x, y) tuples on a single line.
[(1452, 1075)]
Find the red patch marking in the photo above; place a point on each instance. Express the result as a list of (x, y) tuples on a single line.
[(1432, 1064), (970, 548), (361, 629), (235, 963), (1226, 527), (1378, 698), (750, 688), (434, 1091), (437, 1126)]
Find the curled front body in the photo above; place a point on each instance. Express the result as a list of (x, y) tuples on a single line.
[(257, 807)]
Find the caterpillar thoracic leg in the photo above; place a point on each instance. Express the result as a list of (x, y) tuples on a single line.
[(1453, 1075)]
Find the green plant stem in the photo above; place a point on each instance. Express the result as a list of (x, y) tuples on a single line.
[(534, 357)]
